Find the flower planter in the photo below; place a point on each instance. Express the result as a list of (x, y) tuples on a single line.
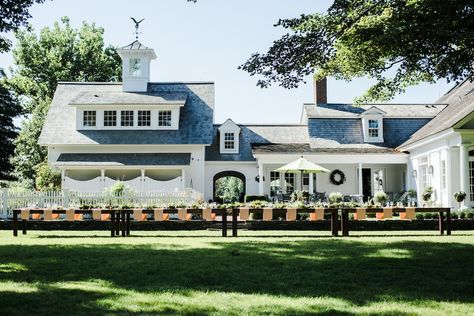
[(386, 213), (158, 214), (25, 214), (360, 214), (409, 214), (36, 216), (318, 215), (48, 215), (207, 214), (70, 215), (267, 213), (182, 212), (244, 213), (291, 214)]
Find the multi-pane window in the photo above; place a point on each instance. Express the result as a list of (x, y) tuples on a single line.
[(373, 128), (89, 118), (424, 180), (144, 118), (126, 118), (229, 141), (275, 185), (110, 118), (443, 174), (289, 183), (135, 67), (164, 118)]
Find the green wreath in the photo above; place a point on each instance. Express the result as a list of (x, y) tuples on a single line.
[(337, 173)]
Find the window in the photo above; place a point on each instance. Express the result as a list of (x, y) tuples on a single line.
[(289, 183), (373, 128), (110, 118), (164, 118), (275, 185), (443, 174), (126, 118), (229, 141), (424, 180), (135, 67), (89, 118), (144, 118)]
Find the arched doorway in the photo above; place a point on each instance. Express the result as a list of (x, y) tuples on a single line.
[(229, 185)]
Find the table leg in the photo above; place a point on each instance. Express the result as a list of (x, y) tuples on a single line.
[(441, 223), (128, 223), (112, 223), (23, 226), (15, 223), (345, 223), (224, 222), (117, 222), (448, 222), (123, 223), (234, 222), (334, 223)]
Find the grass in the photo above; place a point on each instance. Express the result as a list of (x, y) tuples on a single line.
[(261, 273)]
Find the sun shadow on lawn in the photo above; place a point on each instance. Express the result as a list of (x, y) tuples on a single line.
[(357, 272)]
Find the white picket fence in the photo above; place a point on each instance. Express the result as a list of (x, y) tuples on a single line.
[(11, 200)]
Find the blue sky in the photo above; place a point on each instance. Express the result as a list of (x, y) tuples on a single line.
[(207, 41)]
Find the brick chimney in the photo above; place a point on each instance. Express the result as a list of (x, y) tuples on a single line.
[(320, 91)]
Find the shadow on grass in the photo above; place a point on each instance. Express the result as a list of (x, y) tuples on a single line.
[(354, 271)]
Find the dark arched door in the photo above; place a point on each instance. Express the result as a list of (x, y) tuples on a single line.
[(225, 174)]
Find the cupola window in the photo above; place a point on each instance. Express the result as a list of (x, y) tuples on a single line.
[(135, 67)]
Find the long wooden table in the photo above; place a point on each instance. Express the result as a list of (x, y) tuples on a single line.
[(120, 219)]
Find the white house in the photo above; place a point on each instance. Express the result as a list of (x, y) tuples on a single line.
[(162, 136)]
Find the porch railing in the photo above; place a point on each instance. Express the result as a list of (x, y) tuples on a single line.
[(10, 200)]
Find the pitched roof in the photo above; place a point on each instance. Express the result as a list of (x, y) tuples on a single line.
[(307, 148), (340, 110), (249, 134), (461, 104), (60, 124), (120, 97), (136, 45), (125, 159)]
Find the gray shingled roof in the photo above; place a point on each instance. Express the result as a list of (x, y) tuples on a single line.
[(125, 159), (340, 110), (349, 130), (257, 134), (461, 104), (306, 149), (120, 97), (60, 124)]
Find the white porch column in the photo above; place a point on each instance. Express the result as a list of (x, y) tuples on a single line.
[(142, 178), (311, 183), (360, 179), (260, 179), (464, 172), (63, 178), (102, 178), (183, 179)]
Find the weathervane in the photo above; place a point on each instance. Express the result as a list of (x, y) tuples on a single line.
[(137, 25)]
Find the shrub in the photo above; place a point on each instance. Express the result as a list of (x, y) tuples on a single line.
[(470, 215), (335, 197), (251, 198), (427, 193), (412, 194), (47, 178), (380, 197), (460, 196)]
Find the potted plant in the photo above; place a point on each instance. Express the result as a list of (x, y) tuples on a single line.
[(380, 198), (427, 194), (335, 198), (460, 197)]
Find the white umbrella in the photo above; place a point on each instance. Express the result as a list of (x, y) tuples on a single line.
[(302, 165)]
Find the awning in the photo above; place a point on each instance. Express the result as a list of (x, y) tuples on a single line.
[(125, 159)]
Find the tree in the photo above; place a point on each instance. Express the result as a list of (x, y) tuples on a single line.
[(9, 109), (13, 15), (399, 43), (48, 178), (229, 189), (57, 54)]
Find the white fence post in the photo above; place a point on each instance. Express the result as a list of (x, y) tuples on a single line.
[(4, 203)]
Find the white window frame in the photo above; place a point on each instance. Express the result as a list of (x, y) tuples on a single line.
[(170, 121), (84, 117), (229, 127), (117, 119), (372, 115), (130, 114), (144, 114), (131, 71)]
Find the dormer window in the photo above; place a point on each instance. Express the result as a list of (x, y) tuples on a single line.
[(126, 118), (229, 137), (135, 67), (373, 128), (89, 118), (164, 118), (110, 118), (144, 118), (372, 120)]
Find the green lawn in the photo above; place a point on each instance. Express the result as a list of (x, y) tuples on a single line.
[(262, 273)]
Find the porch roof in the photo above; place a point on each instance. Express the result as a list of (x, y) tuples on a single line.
[(124, 159), (306, 148)]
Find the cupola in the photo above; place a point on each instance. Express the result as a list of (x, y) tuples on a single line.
[(136, 59)]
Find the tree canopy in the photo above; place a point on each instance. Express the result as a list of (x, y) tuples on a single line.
[(399, 43), (60, 53), (13, 15)]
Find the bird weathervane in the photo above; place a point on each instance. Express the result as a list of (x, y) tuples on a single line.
[(137, 25)]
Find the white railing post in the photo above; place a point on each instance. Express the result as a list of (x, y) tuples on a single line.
[(65, 198), (4, 202)]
